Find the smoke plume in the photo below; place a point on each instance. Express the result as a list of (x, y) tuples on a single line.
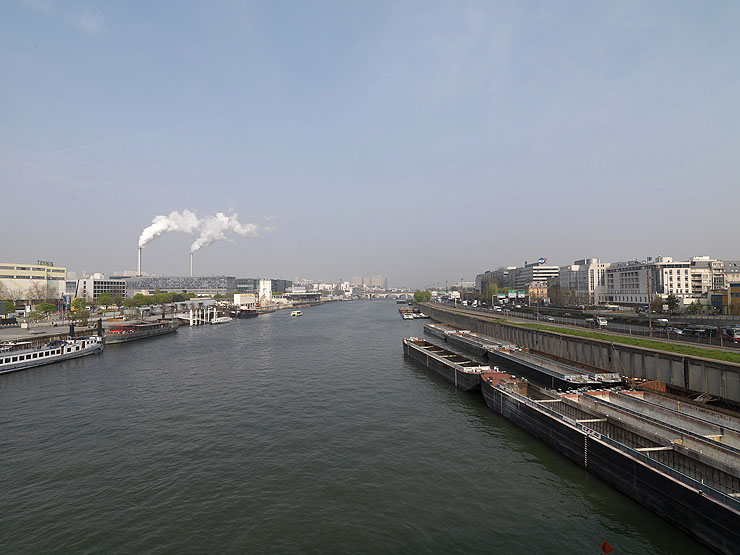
[(187, 222), (214, 228), (209, 228)]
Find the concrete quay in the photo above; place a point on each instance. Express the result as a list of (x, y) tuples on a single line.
[(693, 374)]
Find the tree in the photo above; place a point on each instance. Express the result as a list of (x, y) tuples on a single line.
[(118, 300), (422, 296), (44, 308), (80, 311), (37, 291), (673, 302), (657, 304), (695, 307), (35, 316), (105, 299)]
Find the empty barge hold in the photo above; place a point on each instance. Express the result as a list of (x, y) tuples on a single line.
[(549, 373), (676, 465), (456, 369)]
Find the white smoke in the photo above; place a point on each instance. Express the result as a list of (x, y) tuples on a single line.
[(214, 228), (209, 228), (187, 222)]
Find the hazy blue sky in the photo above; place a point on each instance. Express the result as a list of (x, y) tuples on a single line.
[(425, 141)]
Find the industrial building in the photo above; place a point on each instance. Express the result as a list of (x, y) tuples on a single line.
[(32, 282), (200, 285)]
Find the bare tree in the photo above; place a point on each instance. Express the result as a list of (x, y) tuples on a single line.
[(37, 291)]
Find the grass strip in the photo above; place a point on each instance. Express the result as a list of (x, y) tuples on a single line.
[(638, 342)]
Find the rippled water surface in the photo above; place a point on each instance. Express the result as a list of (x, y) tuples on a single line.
[(288, 435)]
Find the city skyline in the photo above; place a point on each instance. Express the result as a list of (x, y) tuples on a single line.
[(423, 142)]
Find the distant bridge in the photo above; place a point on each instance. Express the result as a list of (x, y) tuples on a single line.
[(399, 296)]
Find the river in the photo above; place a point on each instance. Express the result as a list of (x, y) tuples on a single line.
[(289, 435)]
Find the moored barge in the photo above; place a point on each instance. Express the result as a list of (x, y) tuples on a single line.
[(458, 370), (544, 371), (22, 355), (441, 330), (478, 344), (131, 331), (243, 313), (666, 465)]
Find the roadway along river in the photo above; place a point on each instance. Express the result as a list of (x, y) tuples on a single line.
[(280, 434)]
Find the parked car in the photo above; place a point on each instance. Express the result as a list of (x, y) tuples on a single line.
[(548, 318)]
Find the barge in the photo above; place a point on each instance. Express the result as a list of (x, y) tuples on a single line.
[(240, 313), (132, 331), (23, 355), (669, 464), (478, 344), (458, 370), (549, 373), (441, 330)]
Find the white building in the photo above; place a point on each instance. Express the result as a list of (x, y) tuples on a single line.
[(92, 287), (587, 277), (265, 292), (32, 282), (536, 271), (627, 282)]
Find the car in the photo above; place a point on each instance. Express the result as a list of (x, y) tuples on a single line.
[(548, 318), (673, 329)]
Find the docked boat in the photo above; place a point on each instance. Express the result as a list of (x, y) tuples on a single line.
[(22, 355), (456, 369), (134, 330), (686, 471), (243, 313), (478, 344), (441, 330), (296, 313), (221, 320), (543, 371), (407, 316)]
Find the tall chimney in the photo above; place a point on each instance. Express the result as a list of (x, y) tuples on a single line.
[(191, 264), (138, 269)]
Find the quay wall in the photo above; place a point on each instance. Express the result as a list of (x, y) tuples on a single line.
[(694, 374)]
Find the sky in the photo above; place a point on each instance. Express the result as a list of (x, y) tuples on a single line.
[(424, 141)]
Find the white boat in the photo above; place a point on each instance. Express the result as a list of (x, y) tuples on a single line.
[(22, 355), (407, 316), (296, 313), (221, 320)]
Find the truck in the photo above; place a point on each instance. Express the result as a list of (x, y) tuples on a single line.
[(597, 322)]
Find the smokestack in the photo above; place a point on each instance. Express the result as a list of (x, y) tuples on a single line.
[(138, 268), (191, 264)]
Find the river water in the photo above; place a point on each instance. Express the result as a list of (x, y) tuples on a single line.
[(288, 435)]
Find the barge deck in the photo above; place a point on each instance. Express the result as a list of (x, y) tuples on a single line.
[(458, 370)]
